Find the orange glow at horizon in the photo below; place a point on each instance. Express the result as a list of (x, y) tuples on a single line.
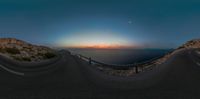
[(103, 46), (97, 40)]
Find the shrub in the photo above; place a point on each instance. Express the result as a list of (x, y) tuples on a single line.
[(2, 50), (39, 54), (12, 50), (48, 55), (32, 56), (26, 59), (180, 47), (17, 58)]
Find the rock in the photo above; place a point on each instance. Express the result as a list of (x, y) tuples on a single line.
[(191, 44)]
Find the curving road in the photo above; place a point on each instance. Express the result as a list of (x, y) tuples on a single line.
[(70, 77)]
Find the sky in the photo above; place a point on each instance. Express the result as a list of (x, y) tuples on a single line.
[(101, 23)]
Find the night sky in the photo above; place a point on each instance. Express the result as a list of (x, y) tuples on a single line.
[(119, 23)]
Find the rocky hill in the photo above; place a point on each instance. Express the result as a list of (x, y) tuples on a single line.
[(23, 51), (188, 45), (191, 44)]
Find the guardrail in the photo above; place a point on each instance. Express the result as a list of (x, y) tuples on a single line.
[(139, 67)]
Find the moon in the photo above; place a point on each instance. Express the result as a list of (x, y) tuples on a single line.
[(130, 22)]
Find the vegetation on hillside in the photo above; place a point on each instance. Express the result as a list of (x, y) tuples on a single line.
[(23, 51), (49, 55), (10, 50)]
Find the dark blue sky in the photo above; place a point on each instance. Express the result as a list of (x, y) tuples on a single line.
[(146, 23)]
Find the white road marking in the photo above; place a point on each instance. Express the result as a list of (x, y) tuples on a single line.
[(198, 63), (198, 52), (12, 71)]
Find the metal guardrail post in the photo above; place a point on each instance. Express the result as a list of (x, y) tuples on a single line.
[(90, 61), (142, 68), (136, 69)]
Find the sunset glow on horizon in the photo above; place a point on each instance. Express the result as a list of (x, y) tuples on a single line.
[(102, 46), (96, 40)]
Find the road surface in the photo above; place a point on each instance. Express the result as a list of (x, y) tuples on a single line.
[(72, 78)]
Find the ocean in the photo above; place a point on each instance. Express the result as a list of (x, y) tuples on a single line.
[(121, 56)]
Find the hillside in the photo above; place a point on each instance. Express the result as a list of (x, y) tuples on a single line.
[(23, 51), (188, 45), (192, 44)]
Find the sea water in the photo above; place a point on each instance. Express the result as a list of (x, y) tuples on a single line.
[(121, 56)]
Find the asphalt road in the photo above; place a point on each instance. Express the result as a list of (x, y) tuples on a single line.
[(72, 78)]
